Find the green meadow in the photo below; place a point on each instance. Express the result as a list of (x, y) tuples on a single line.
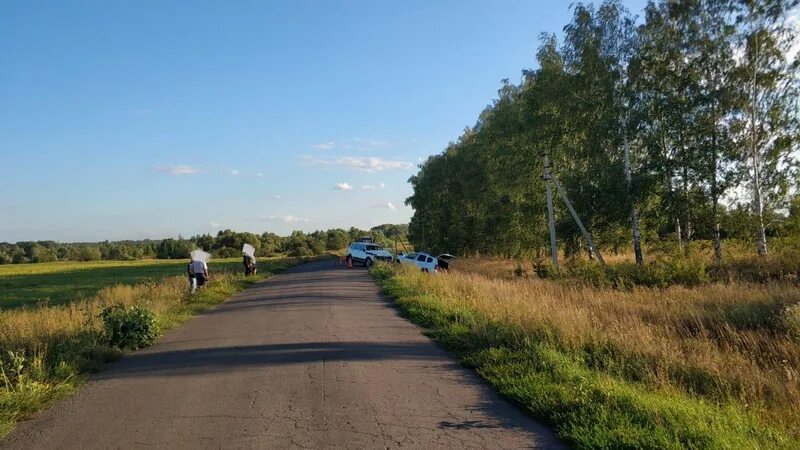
[(60, 283)]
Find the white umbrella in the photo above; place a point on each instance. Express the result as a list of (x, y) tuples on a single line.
[(249, 250), (199, 255)]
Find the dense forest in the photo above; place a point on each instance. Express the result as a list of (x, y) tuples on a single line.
[(675, 126), (226, 243)]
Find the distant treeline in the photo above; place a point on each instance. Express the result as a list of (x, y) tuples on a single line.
[(225, 244), (678, 126)]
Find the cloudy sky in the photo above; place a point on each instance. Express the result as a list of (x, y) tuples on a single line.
[(129, 120)]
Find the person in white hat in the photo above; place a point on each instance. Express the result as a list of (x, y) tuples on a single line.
[(198, 274)]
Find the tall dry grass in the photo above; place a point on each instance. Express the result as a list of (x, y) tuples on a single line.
[(38, 328), (724, 342)]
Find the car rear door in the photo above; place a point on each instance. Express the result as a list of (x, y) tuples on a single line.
[(422, 261), (444, 261)]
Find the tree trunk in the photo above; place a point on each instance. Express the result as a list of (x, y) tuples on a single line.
[(715, 215), (668, 183), (550, 216), (686, 209), (715, 194), (637, 241), (759, 206)]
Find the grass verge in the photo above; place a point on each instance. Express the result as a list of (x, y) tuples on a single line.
[(591, 389), (46, 352)]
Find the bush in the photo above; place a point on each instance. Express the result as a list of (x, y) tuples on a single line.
[(784, 266), (659, 274), (227, 252), (791, 320), (129, 328)]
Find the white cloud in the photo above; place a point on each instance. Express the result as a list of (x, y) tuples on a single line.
[(177, 170), (260, 175), (387, 205), (288, 219), (367, 144), (324, 146), (233, 172), (343, 187), (359, 163), (214, 224), (276, 196), (372, 187)]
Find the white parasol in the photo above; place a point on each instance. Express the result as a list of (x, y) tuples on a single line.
[(199, 255)]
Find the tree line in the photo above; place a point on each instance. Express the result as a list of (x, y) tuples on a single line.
[(227, 243), (679, 125)]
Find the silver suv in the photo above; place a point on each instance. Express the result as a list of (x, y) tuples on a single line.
[(367, 253)]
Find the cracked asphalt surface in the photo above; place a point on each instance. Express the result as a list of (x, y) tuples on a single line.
[(311, 358)]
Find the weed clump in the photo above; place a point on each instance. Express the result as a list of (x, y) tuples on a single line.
[(129, 328)]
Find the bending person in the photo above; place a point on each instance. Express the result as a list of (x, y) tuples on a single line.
[(249, 262), (198, 274)]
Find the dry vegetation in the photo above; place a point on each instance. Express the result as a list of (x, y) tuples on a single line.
[(724, 341), (731, 344)]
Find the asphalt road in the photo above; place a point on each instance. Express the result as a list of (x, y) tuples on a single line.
[(312, 358)]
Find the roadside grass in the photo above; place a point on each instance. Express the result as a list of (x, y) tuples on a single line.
[(47, 351), (63, 282), (713, 366)]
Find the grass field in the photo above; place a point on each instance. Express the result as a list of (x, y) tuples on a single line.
[(63, 282)]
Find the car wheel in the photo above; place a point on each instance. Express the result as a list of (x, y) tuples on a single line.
[(368, 262), (425, 270)]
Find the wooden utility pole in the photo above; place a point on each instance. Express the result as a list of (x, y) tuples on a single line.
[(548, 178)]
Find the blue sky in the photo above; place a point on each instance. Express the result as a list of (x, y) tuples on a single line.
[(130, 120)]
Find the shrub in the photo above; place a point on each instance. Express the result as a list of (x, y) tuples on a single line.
[(784, 266), (686, 271), (660, 274), (791, 320), (544, 269), (590, 272), (129, 328), (381, 271)]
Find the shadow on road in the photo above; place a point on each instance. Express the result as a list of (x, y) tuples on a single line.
[(466, 425), (225, 359)]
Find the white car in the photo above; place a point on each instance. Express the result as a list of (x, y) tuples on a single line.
[(367, 253), (426, 262)]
